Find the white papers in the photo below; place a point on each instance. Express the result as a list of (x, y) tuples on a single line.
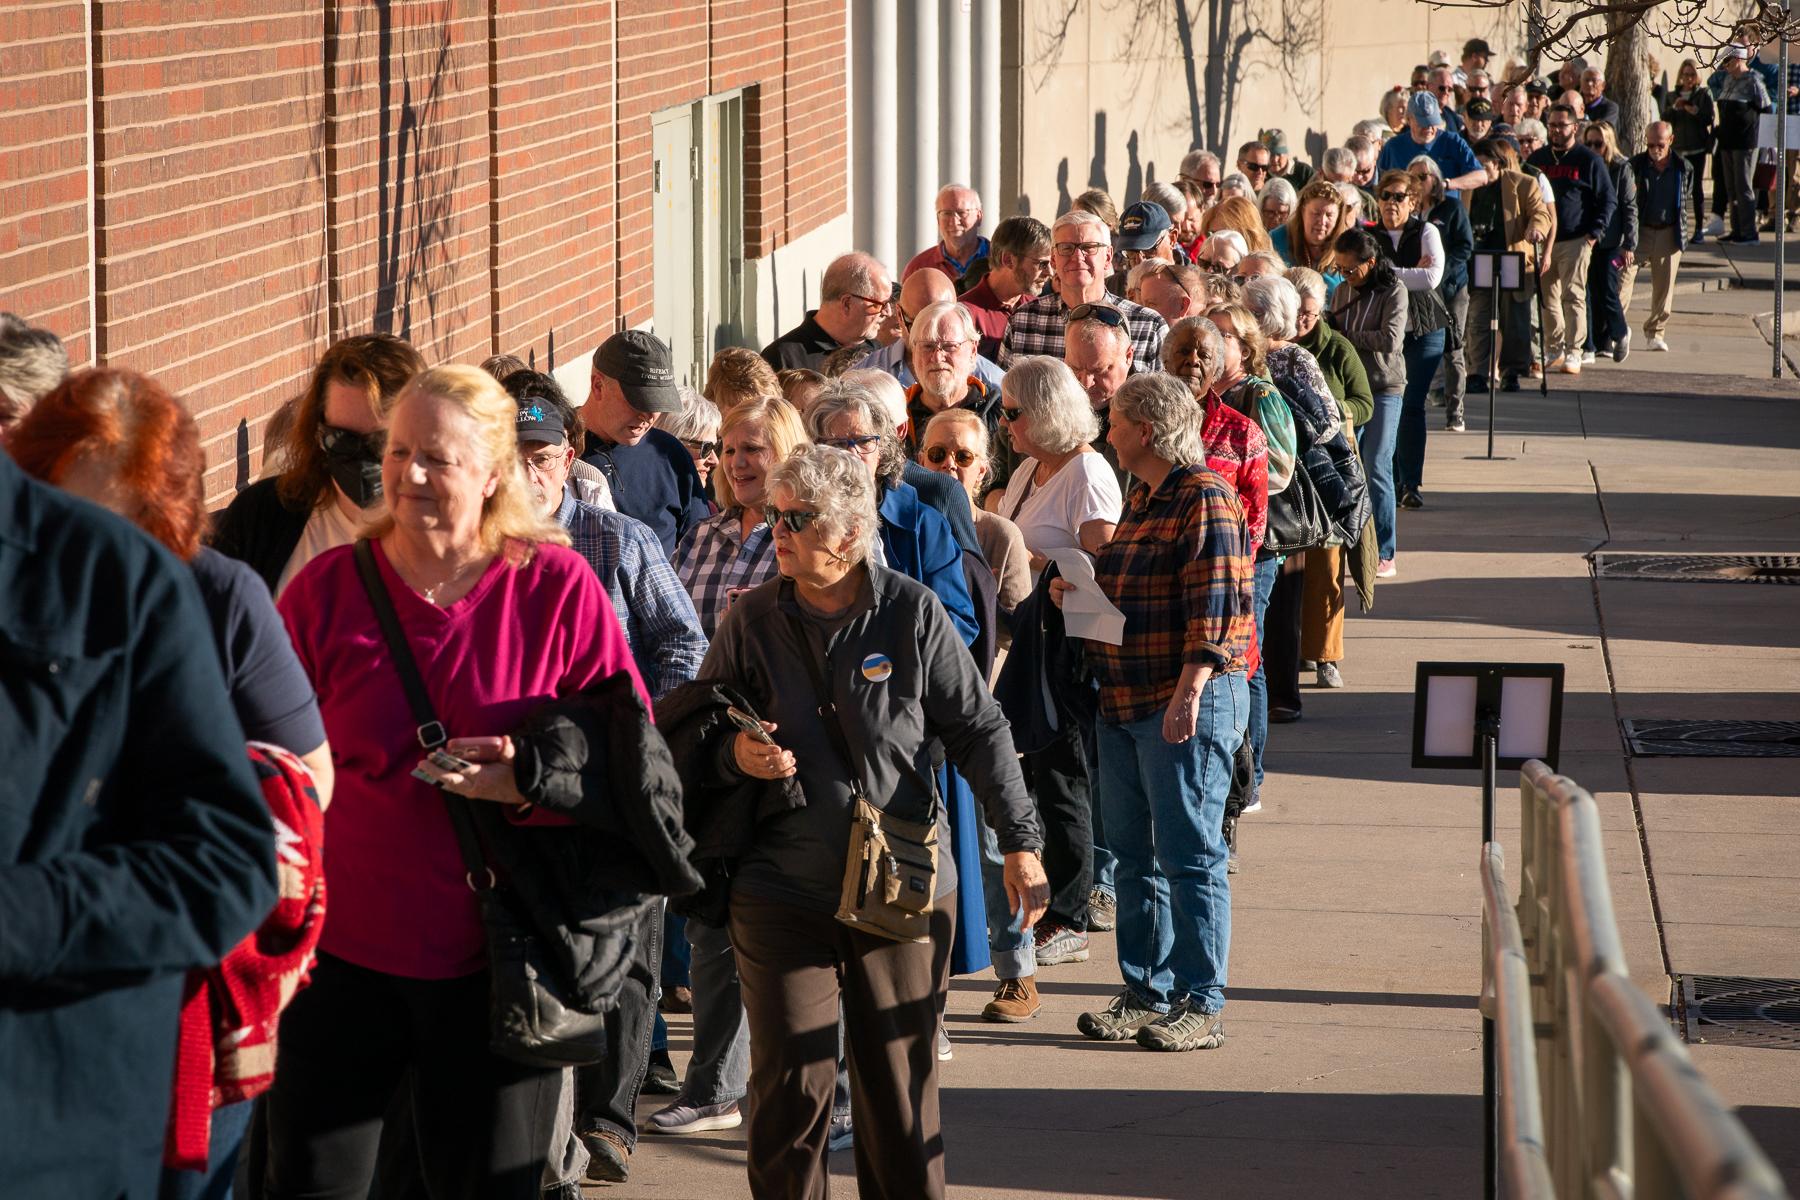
[(1087, 613)]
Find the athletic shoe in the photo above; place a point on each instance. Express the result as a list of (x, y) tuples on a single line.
[(1015, 1001), (695, 1118), (1715, 227), (1570, 365), (1456, 425), (1330, 676), (1230, 830), (1557, 362), (1621, 348), (1658, 345), (1118, 1021), (1281, 714), (1307, 664), (1410, 498), (1534, 371), (944, 1050), (1058, 944), (1587, 358), (609, 1158), (841, 1134), (1255, 805), (1184, 1028), (1103, 912), (1385, 569), (660, 1078), (1477, 383)]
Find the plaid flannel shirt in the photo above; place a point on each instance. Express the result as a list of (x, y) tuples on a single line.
[(1037, 328), (716, 558), (661, 626), (1179, 568)]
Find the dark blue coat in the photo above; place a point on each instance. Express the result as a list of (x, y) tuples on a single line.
[(134, 841)]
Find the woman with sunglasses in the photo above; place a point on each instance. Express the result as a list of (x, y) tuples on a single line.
[(696, 427), (1414, 248), (1612, 266), (898, 681), (957, 444), (330, 482)]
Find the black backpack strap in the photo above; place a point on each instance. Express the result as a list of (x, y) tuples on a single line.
[(431, 732)]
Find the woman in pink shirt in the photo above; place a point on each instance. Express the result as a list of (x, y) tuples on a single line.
[(501, 617)]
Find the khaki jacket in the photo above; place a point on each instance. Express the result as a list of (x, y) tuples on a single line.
[(1524, 211)]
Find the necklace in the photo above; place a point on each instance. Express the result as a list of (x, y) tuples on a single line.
[(431, 593)]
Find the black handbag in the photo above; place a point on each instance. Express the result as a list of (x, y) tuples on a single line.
[(534, 1016), (1297, 517)]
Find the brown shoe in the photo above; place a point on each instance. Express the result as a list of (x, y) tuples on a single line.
[(678, 999), (1015, 1000)]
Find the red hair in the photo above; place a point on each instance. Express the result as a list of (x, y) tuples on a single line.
[(144, 436)]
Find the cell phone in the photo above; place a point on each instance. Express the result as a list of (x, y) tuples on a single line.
[(443, 760), (749, 725)]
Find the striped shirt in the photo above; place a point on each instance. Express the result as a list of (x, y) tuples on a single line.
[(715, 559), (661, 626), (1037, 328), (1179, 568)]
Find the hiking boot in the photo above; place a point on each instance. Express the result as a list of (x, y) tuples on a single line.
[(1058, 944), (1118, 1021), (609, 1158), (678, 999), (1015, 1001), (1183, 1028), (1103, 912), (695, 1118), (1329, 675)]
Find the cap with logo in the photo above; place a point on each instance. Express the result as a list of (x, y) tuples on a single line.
[(1478, 110), (1273, 140), (641, 365), (1142, 225), (1423, 108), (539, 423)]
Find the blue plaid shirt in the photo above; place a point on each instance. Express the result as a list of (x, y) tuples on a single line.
[(661, 626), (716, 559)]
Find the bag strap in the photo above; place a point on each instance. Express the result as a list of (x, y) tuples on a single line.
[(430, 732)]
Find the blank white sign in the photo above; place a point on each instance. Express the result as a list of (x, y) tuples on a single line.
[(1450, 716), (1525, 717)]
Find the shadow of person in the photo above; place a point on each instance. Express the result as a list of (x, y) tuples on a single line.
[(1064, 201), (1097, 164), (1134, 171)]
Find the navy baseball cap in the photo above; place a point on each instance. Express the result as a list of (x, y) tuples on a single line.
[(1142, 225), (538, 422), (645, 371)]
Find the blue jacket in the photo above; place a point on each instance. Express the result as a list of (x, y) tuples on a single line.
[(918, 543), (134, 840), (1653, 188), (656, 482)]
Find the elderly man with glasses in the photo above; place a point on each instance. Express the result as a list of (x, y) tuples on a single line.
[(942, 339), (1202, 169), (1662, 234), (855, 295), (1080, 260)]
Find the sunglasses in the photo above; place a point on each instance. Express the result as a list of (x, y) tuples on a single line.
[(346, 443), (1011, 414), (855, 445), (701, 449), (935, 455), (1106, 314), (797, 520), (1396, 197), (1250, 168)]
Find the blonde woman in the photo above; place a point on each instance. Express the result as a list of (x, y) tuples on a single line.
[(1310, 236), (1241, 215), (1613, 264), (501, 616)]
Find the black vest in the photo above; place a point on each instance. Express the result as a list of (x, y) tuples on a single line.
[(1412, 243)]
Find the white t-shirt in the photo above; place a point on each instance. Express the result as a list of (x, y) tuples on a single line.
[(327, 529), (1051, 515)]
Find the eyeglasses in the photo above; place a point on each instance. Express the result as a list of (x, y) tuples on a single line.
[(935, 455), (1254, 168), (1106, 314), (544, 461), (930, 349), (957, 212), (855, 445), (882, 305), (1085, 249), (701, 449), (1559, 125), (1395, 197), (797, 520), (347, 443)]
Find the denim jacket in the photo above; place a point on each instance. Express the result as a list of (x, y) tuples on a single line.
[(134, 841)]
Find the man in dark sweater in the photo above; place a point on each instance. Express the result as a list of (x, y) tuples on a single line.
[(1584, 206), (1662, 225), (855, 294), (1600, 106), (651, 474)]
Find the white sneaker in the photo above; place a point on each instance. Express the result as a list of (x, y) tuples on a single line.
[(1587, 358), (1715, 227), (1571, 365), (944, 1051), (1657, 344), (1385, 569)]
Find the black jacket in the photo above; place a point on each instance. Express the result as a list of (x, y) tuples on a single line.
[(134, 841), (260, 529)]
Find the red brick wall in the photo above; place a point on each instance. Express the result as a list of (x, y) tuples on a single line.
[(269, 175)]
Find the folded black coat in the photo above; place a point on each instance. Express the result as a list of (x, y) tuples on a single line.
[(1044, 686), (721, 808)]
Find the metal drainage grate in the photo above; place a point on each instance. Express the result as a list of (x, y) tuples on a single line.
[(1731, 1010), (1713, 739), (1700, 568)]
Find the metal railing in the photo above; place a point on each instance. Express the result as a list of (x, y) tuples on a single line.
[(1593, 1094)]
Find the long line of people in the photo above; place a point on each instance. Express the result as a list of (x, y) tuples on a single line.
[(844, 579)]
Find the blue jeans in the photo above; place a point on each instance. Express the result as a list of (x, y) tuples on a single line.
[(1376, 442), (1105, 862), (1423, 353), (229, 1125), (1258, 685), (1165, 808), (1013, 948)]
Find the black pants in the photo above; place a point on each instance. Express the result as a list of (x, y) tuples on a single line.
[(1696, 180), (353, 1038), (1281, 634), (1058, 778), (606, 1093), (1606, 311)]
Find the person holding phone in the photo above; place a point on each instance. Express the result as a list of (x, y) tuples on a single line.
[(899, 680)]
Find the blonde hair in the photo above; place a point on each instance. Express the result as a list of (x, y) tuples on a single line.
[(1238, 214), (737, 375), (511, 522), (781, 424)]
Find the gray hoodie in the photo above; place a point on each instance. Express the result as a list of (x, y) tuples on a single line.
[(1375, 323)]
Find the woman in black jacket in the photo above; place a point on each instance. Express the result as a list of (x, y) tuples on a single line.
[(1607, 331), (1447, 213), (330, 482), (1370, 308), (1689, 111)]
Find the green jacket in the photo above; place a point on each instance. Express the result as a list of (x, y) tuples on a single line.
[(1343, 371)]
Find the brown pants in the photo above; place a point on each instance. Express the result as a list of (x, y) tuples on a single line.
[(1322, 605), (797, 966)]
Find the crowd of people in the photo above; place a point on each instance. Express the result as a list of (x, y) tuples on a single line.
[(941, 635)]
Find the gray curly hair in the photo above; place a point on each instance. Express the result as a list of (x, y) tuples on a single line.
[(1165, 404), (835, 484), (845, 398)]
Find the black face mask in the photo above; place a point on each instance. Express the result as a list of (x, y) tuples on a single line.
[(353, 461)]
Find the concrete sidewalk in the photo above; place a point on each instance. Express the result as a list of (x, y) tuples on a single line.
[(1353, 1065)]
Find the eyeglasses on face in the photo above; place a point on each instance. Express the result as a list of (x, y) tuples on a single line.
[(797, 520), (543, 461), (701, 449), (1395, 197), (879, 305), (935, 455), (1085, 249), (336, 440), (933, 349), (1106, 314), (855, 444), (965, 213)]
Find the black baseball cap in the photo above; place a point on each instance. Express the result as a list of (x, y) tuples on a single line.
[(641, 364), (1478, 110), (538, 422), (1476, 46)]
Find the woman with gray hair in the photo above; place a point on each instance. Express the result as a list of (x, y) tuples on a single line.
[(1451, 219), (696, 427), (841, 652), (1277, 203), (32, 363), (1174, 707)]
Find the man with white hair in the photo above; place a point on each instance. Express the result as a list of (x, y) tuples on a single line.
[(1344, 165), (855, 295), (927, 286), (1223, 251), (959, 234), (1080, 259), (943, 338)]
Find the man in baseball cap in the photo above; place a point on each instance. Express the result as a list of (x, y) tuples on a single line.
[(651, 474), (1426, 135), (1282, 163)]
